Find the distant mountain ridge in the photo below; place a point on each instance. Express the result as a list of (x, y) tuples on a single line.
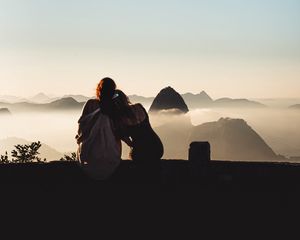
[(197, 100), (203, 100), (193, 101), (78, 98), (140, 99), (40, 98), (60, 104), (296, 106), (11, 99), (229, 102)]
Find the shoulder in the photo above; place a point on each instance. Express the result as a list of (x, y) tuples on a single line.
[(90, 106), (92, 101), (138, 106), (139, 110)]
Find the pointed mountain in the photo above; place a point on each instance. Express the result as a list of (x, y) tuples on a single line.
[(65, 103), (168, 99), (233, 139), (60, 104), (203, 95), (40, 98), (78, 98), (201, 99)]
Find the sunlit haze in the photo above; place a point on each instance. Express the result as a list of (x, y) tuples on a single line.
[(226, 47)]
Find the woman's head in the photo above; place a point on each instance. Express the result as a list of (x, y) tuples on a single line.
[(120, 101), (105, 88)]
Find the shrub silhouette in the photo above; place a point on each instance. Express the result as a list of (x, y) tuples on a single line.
[(69, 158), (26, 153), (29, 153), (4, 159)]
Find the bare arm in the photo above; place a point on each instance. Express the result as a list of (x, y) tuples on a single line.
[(128, 141)]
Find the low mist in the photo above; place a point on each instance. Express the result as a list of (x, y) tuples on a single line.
[(280, 128)]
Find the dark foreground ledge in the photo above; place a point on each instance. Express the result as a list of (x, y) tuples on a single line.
[(198, 170), (233, 187), (197, 180), (215, 174), (191, 192)]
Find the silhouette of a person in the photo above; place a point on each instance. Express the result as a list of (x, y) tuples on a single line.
[(133, 127)]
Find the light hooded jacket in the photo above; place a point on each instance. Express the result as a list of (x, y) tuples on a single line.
[(98, 149)]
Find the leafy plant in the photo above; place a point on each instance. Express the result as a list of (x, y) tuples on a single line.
[(4, 159), (26, 153), (69, 158)]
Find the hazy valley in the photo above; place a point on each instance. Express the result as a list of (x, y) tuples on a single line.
[(54, 123)]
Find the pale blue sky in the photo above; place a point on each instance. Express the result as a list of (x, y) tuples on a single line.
[(236, 48)]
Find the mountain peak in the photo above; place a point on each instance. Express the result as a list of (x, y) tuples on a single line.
[(233, 139), (66, 103), (77, 97), (40, 94), (168, 99), (40, 98), (66, 100), (205, 96)]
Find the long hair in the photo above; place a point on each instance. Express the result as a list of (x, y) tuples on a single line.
[(105, 88), (104, 93), (122, 111), (121, 105)]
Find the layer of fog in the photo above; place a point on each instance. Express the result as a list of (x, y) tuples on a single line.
[(279, 128), (56, 129)]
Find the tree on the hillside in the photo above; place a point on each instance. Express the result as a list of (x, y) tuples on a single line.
[(26, 153)]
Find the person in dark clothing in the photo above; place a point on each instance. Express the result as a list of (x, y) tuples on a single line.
[(133, 127)]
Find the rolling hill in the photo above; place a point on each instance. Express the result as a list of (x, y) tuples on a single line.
[(233, 139), (61, 104), (236, 103), (4, 112)]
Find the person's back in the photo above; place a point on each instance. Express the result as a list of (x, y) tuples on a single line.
[(90, 106), (146, 144), (98, 148)]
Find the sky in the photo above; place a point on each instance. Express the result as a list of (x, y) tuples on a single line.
[(233, 48)]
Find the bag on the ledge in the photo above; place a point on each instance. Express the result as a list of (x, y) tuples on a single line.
[(98, 150)]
